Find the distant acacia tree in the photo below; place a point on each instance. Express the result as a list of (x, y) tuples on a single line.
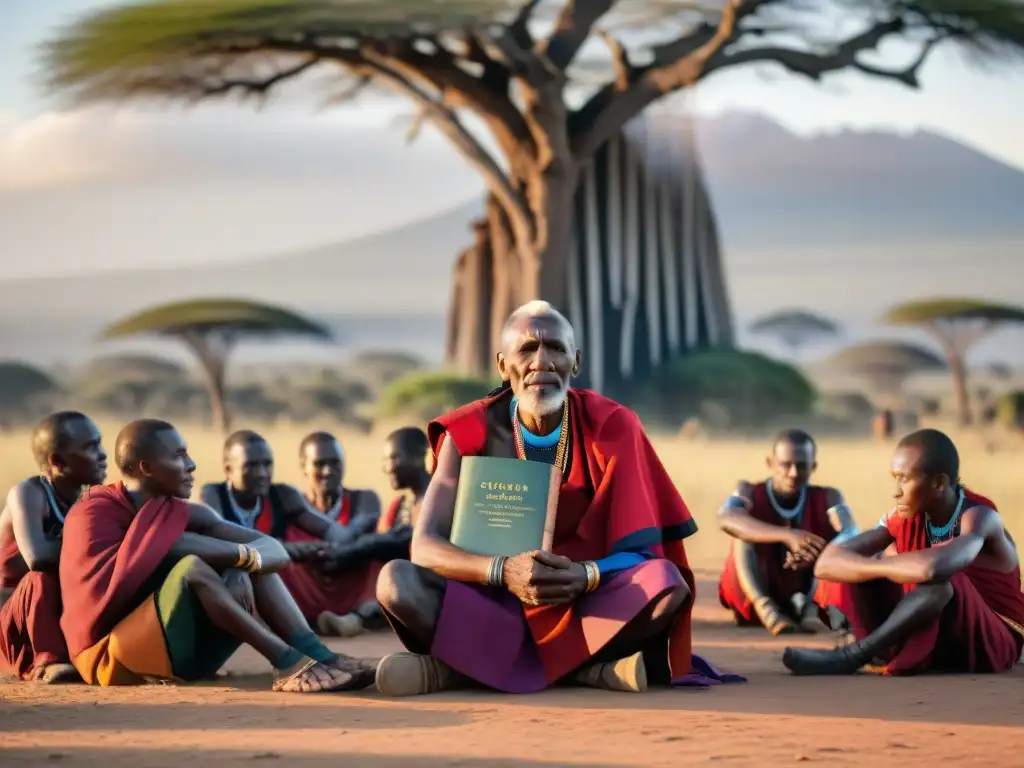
[(884, 366), (795, 328), (956, 324), (516, 67), (212, 328), (23, 391)]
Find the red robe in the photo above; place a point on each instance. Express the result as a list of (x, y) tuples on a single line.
[(974, 632), (109, 553), (781, 583), (316, 592), (620, 498), (30, 635)]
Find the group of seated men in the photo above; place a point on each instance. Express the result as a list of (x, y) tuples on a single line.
[(934, 586), (156, 587), (320, 551)]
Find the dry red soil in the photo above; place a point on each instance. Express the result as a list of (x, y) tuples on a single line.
[(774, 719)]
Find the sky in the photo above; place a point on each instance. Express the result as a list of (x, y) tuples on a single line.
[(98, 189)]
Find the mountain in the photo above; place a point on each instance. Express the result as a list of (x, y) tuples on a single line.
[(870, 186), (888, 216)]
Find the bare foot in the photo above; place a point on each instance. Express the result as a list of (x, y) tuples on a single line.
[(309, 676)]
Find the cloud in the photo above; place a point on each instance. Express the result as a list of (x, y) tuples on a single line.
[(210, 142), (102, 188)]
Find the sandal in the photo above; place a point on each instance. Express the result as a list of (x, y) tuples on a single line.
[(298, 679), (773, 619)]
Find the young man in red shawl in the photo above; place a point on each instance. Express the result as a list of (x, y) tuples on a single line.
[(68, 451), (405, 464), (779, 527), (610, 607), (158, 588), (949, 599), (337, 597)]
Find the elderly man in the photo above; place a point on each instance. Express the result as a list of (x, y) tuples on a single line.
[(609, 607)]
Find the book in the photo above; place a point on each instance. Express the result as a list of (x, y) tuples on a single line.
[(505, 506)]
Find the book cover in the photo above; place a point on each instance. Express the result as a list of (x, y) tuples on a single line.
[(505, 506)]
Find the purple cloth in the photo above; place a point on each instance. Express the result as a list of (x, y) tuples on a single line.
[(482, 632)]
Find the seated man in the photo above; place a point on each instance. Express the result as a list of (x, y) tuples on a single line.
[(337, 598), (158, 588), (610, 607), (779, 528), (69, 455), (949, 599), (405, 463)]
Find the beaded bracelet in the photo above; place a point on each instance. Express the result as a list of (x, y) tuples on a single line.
[(496, 571)]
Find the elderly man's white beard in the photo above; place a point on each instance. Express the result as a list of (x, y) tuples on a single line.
[(545, 404)]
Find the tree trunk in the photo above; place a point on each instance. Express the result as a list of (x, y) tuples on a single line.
[(958, 371), (212, 354), (497, 274), (469, 316)]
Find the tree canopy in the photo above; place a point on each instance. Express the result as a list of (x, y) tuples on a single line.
[(884, 365), (211, 328), (795, 327), (234, 316), (956, 324), (507, 63)]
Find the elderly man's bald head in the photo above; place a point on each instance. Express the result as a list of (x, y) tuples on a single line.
[(538, 357), (535, 311)]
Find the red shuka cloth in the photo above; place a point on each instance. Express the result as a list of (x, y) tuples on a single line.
[(633, 505), (30, 633), (316, 592), (969, 636), (12, 565), (781, 583), (108, 554)]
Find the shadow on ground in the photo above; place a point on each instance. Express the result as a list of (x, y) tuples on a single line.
[(174, 758)]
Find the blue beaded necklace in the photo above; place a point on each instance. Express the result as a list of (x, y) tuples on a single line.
[(539, 442), (946, 532)]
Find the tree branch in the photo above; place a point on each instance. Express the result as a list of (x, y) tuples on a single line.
[(258, 87), (519, 29), (620, 60), (445, 119), (675, 65), (572, 28), (814, 65)]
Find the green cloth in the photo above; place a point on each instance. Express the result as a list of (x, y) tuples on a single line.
[(196, 647)]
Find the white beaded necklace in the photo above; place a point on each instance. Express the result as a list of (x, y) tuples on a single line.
[(787, 514), (246, 517)]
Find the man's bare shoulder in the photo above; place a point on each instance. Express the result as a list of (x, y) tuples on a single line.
[(983, 520), (201, 512), (27, 496)]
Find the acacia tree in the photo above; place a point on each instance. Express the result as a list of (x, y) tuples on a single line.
[(510, 65), (212, 328), (796, 328), (956, 324), (884, 365), (24, 391)]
